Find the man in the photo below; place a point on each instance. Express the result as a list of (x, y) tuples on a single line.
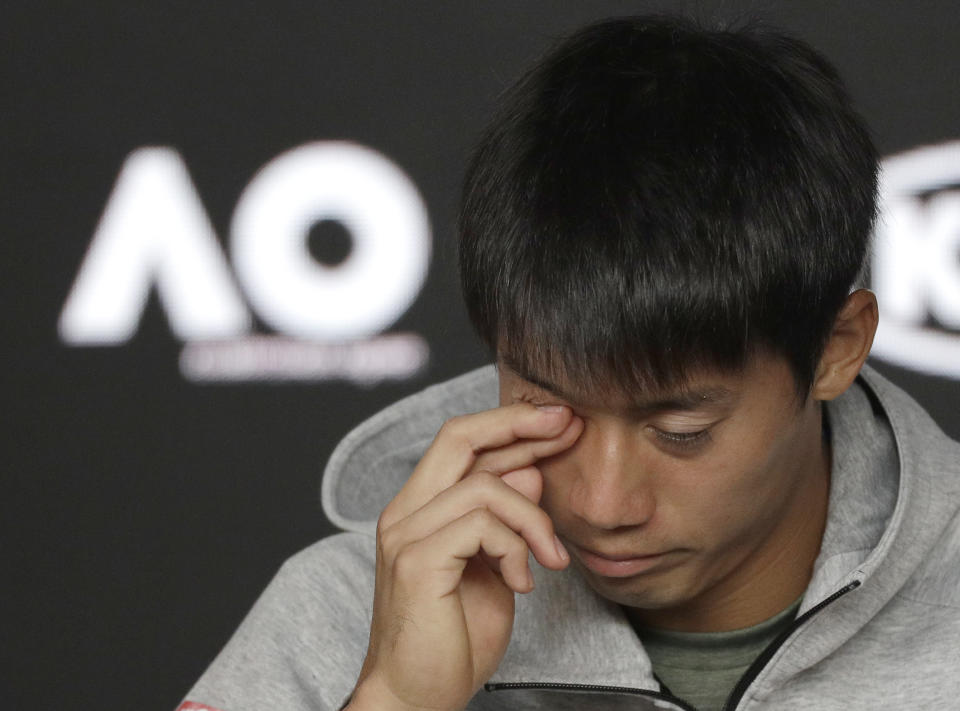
[(660, 236)]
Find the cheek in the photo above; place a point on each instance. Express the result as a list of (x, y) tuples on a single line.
[(744, 492)]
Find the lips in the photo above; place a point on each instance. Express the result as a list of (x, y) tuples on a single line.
[(618, 557), (618, 565)]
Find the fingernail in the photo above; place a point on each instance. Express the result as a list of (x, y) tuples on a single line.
[(561, 551), (550, 408), (530, 583)]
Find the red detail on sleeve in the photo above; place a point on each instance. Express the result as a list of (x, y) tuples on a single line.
[(194, 706)]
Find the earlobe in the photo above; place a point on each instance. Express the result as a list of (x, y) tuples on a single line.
[(848, 346)]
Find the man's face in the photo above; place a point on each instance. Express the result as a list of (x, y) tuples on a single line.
[(703, 507)]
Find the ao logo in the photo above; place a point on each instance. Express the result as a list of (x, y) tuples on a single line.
[(916, 264), (155, 231)]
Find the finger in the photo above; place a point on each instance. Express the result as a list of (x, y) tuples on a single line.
[(490, 562), (482, 491), (462, 439), (438, 561), (525, 452), (528, 481)]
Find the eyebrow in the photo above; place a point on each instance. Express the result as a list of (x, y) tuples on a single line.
[(681, 399)]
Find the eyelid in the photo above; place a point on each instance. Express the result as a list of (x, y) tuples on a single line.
[(684, 422), (690, 439)]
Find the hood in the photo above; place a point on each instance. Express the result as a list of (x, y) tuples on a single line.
[(372, 463), (891, 522)]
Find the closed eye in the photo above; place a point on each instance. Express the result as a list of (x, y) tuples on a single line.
[(683, 440)]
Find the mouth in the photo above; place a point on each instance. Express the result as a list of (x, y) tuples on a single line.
[(618, 565)]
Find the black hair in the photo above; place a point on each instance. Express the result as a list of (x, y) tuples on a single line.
[(654, 197)]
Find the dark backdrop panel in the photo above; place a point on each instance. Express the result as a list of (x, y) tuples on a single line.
[(144, 512)]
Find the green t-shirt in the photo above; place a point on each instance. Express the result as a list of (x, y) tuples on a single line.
[(703, 667)]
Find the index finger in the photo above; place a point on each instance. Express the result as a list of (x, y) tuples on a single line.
[(462, 439)]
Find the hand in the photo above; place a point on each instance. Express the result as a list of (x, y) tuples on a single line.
[(452, 549)]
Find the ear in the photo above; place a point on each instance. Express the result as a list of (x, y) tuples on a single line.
[(848, 345)]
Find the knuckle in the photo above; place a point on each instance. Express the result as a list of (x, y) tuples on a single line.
[(482, 480), (391, 513), (384, 524), (482, 464), (406, 563), (456, 431), (390, 536), (389, 543), (383, 521), (385, 539), (482, 519), (452, 428)]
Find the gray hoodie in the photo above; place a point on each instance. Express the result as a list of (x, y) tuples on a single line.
[(878, 628)]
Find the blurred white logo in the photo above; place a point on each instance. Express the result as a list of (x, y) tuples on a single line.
[(155, 232), (916, 260)]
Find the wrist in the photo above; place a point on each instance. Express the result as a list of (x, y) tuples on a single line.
[(371, 696)]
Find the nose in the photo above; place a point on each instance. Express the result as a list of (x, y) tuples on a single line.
[(611, 489)]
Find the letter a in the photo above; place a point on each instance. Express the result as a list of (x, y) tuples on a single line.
[(154, 230)]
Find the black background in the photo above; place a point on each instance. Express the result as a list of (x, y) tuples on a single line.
[(143, 514)]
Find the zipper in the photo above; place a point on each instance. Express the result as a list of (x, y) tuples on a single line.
[(735, 696), (767, 654), (595, 688)]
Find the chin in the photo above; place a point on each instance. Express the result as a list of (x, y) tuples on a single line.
[(647, 592)]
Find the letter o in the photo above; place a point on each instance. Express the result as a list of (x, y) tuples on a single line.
[(379, 206)]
